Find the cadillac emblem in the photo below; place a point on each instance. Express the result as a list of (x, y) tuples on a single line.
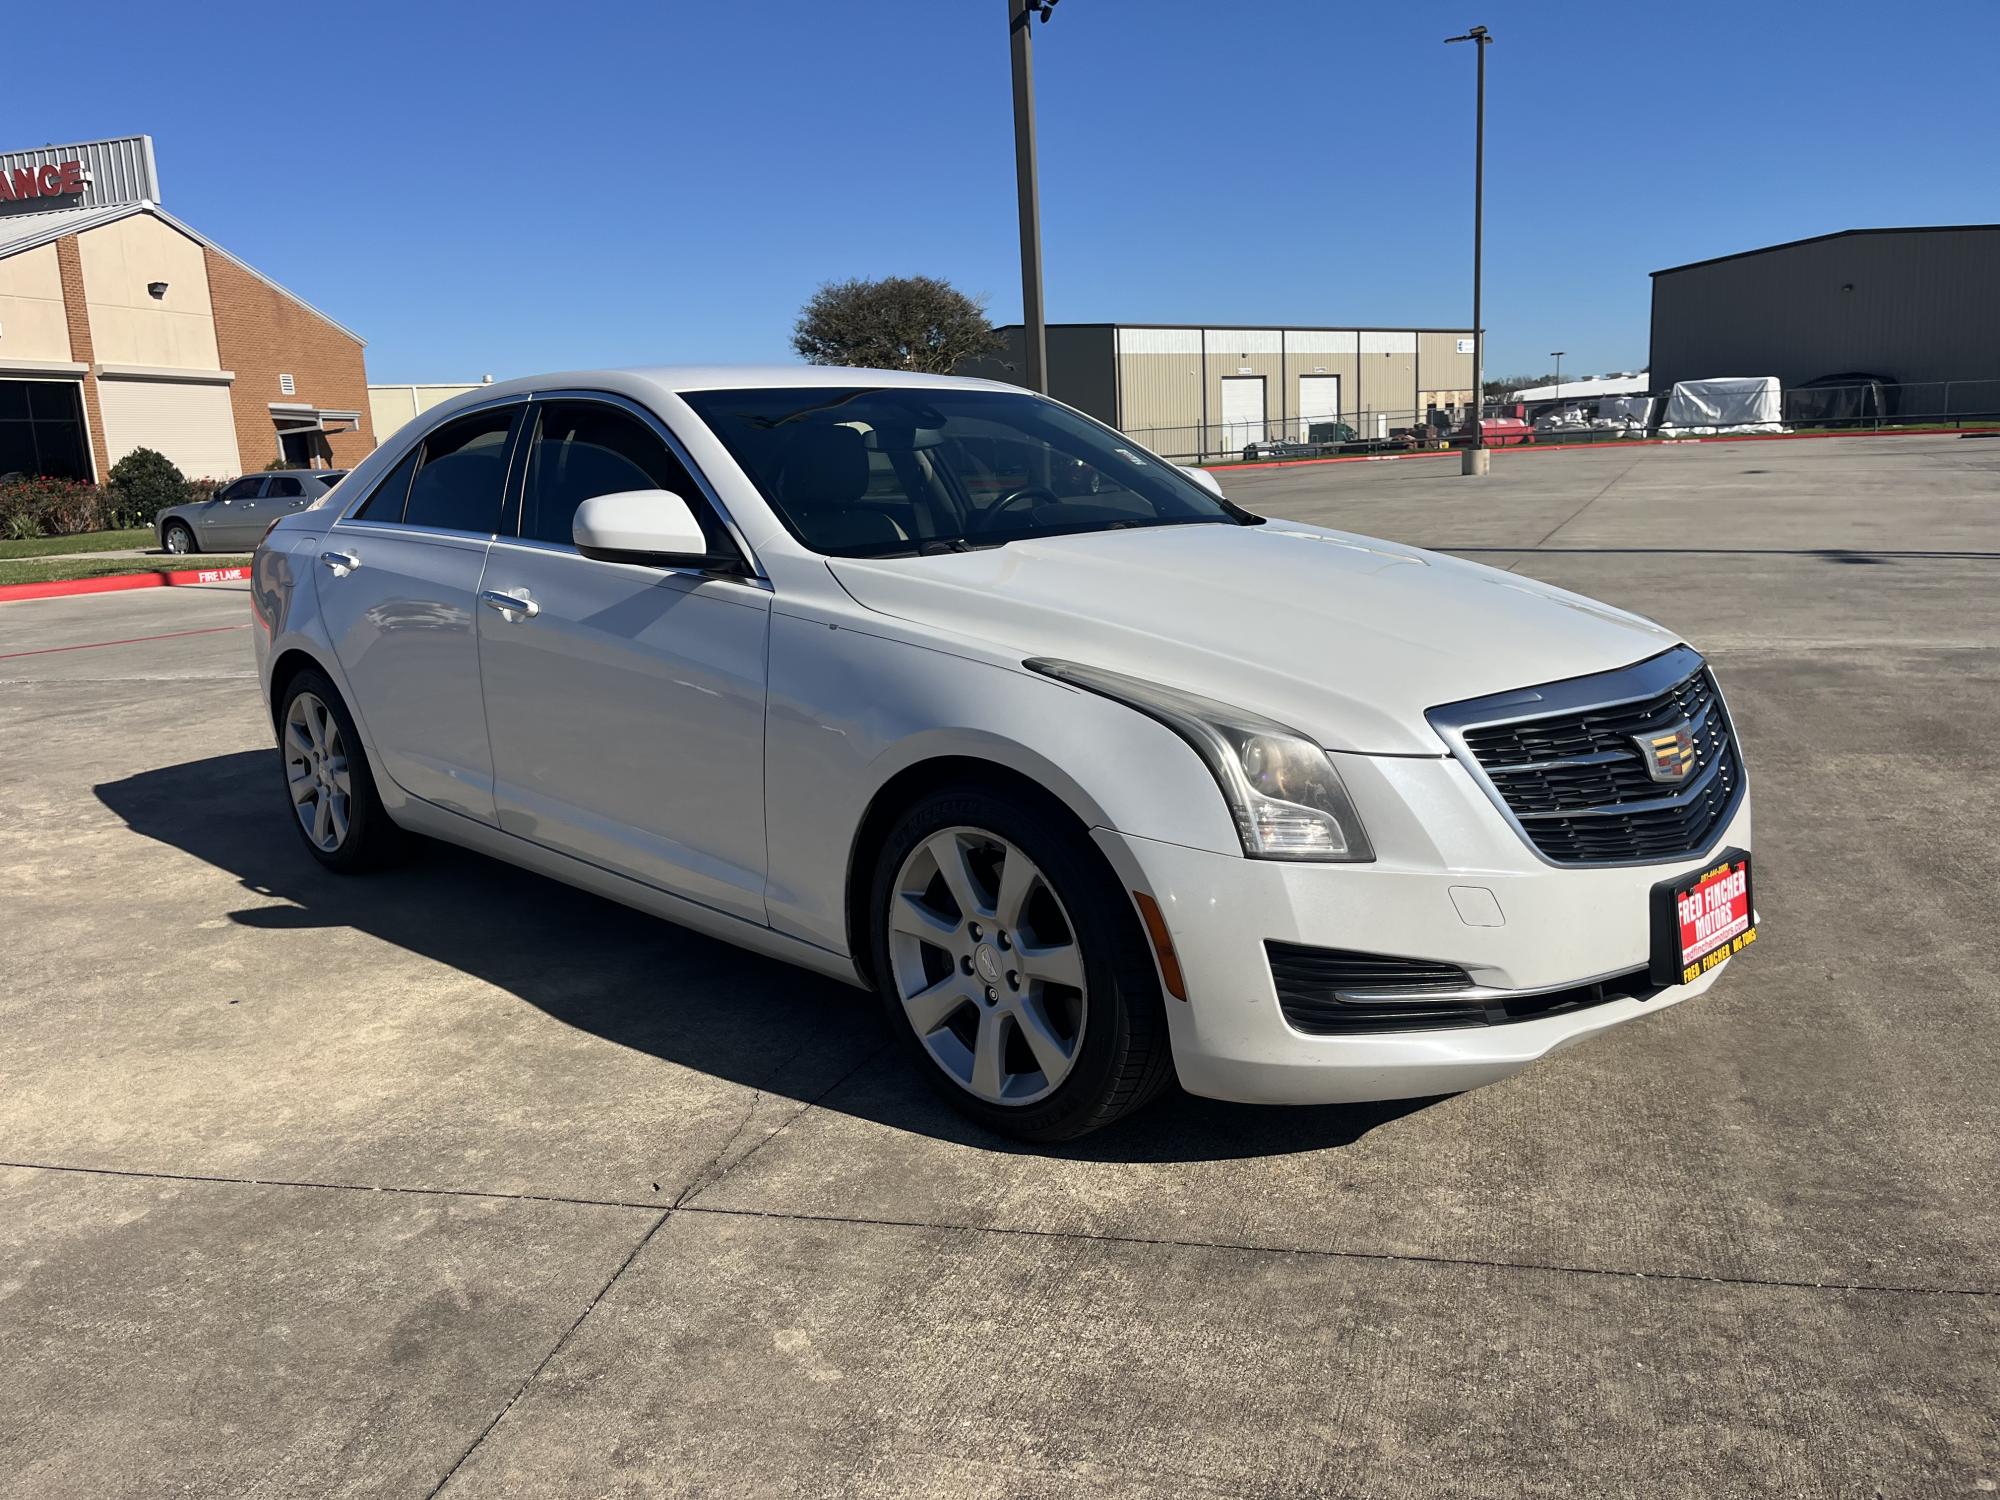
[(1669, 756)]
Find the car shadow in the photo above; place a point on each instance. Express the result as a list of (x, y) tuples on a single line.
[(643, 983)]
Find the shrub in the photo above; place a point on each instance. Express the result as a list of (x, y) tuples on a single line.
[(43, 506), (281, 462), (144, 483)]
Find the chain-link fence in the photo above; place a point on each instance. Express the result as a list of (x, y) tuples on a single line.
[(1846, 405), (1369, 430)]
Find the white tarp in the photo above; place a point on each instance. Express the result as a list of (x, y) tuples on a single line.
[(1741, 404), (1635, 413)]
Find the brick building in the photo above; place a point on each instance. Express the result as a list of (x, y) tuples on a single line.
[(121, 327)]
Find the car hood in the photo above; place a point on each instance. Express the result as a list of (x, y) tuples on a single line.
[(1345, 638)]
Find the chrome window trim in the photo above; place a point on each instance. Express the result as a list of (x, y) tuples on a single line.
[(1573, 695), (657, 425)]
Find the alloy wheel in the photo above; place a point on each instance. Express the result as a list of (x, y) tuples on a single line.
[(987, 966), (178, 540), (317, 773)]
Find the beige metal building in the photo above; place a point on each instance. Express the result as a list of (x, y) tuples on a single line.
[(1192, 391), (390, 406)]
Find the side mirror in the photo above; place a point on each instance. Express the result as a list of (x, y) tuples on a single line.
[(1206, 480), (640, 526)]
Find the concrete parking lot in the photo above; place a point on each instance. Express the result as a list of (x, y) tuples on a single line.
[(455, 1181)]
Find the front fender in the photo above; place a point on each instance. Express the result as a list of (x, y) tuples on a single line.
[(850, 710)]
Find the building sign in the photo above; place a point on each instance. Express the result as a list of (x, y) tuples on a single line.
[(1465, 346), (49, 180), (87, 174)]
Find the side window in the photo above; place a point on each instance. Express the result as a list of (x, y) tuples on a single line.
[(386, 503), (285, 489), (463, 471), (586, 448), (243, 489)]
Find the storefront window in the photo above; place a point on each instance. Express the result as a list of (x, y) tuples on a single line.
[(41, 429)]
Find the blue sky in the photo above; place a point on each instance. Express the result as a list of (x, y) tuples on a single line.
[(505, 188)]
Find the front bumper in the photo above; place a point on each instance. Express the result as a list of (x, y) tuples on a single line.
[(1437, 835)]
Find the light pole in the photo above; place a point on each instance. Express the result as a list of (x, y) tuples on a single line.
[(1477, 459), (1557, 356), (1034, 332)]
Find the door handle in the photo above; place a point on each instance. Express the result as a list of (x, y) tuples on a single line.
[(509, 604), (342, 563)]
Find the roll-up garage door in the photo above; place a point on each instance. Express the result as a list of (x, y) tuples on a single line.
[(1242, 411), (191, 422)]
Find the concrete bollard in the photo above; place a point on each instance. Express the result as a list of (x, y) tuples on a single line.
[(1477, 461)]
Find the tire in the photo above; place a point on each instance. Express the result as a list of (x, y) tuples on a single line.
[(178, 531), (344, 827), (986, 1032)]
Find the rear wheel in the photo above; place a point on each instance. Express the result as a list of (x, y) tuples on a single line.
[(177, 537), (328, 785), (1013, 969)]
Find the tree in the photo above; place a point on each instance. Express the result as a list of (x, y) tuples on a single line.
[(144, 483), (897, 323)]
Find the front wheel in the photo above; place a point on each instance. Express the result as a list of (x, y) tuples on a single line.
[(1013, 969), (177, 538)]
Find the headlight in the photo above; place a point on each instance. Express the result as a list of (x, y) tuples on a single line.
[(1282, 789)]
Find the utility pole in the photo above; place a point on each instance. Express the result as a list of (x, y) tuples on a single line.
[(1477, 459), (1557, 356), (1034, 331)]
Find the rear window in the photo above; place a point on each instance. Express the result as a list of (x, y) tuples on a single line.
[(453, 480)]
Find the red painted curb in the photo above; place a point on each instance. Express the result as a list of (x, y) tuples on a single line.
[(1736, 437), (113, 583)]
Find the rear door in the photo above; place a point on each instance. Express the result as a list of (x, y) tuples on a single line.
[(398, 585), (285, 494), (625, 703)]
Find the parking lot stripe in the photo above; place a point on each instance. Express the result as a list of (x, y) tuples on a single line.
[(136, 640)]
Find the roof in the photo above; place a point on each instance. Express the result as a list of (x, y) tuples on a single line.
[(1261, 327), (1583, 387), (21, 232), (1838, 234), (645, 382)]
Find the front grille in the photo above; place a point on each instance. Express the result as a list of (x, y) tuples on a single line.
[(1576, 781), (1332, 992)]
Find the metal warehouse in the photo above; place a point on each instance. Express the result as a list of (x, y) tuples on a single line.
[(1916, 308), (1186, 390), (121, 327)]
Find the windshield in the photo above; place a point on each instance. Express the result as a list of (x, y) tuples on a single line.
[(880, 472)]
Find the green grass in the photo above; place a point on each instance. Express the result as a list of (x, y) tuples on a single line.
[(57, 569), (83, 541)]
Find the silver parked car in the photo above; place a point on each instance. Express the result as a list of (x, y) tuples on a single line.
[(242, 511)]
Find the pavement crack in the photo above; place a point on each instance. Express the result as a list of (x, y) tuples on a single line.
[(568, 1333), (327, 1187), (1578, 511), (708, 1176), (1385, 1256)]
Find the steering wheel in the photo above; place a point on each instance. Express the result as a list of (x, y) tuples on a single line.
[(984, 521)]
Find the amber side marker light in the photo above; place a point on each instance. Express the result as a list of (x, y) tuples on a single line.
[(1163, 944)]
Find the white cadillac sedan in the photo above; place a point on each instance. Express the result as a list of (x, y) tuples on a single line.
[(944, 689)]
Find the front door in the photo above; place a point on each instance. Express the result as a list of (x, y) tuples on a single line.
[(398, 586), (625, 703), (231, 519)]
